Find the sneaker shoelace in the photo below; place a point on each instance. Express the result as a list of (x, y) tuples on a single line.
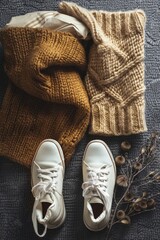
[(97, 184), (46, 185)]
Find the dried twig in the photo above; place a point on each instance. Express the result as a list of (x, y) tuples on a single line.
[(133, 199)]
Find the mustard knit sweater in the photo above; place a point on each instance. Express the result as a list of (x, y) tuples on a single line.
[(46, 97)]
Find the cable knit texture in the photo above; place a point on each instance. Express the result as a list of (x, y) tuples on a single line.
[(46, 97), (115, 76)]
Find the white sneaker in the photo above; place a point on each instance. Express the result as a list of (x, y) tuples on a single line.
[(47, 182), (99, 175)]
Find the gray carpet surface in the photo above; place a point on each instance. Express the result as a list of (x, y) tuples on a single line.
[(16, 200)]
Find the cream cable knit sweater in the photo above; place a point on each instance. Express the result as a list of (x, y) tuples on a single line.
[(115, 76)]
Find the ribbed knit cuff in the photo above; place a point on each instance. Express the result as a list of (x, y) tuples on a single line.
[(120, 24), (112, 119)]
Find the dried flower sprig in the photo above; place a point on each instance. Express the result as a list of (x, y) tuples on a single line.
[(133, 177)]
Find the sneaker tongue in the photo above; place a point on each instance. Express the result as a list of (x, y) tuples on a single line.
[(96, 200), (47, 198), (45, 165)]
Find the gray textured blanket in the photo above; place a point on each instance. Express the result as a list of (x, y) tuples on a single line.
[(16, 200)]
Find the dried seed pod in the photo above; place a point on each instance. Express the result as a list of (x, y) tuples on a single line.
[(137, 166), (143, 150), (126, 220), (138, 200), (158, 178), (122, 180), (152, 148), (125, 146), (154, 135), (137, 207), (120, 160), (151, 174), (144, 194), (120, 214), (129, 197), (151, 203), (143, 204)]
